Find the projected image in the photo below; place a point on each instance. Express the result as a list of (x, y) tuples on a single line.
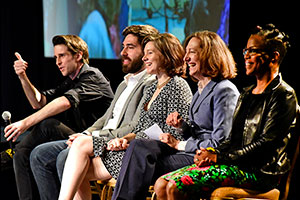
[(100, 22)]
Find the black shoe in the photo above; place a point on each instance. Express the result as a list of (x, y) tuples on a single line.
[(6, 159)]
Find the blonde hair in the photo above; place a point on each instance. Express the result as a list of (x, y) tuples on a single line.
[(216, 59), (172, 50)]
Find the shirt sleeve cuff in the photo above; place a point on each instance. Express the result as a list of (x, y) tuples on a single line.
[(86, 132), (181, 145)]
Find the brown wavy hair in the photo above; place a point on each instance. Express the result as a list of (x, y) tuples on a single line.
[(216, 59), (74, 43), (140, 31), (172, 50)]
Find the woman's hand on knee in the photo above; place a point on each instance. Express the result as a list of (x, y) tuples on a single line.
[(117, 144), (72, 138)]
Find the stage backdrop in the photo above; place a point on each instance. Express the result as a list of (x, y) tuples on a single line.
[(100, 22)]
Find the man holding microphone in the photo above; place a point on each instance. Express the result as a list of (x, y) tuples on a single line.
[(69, 108)]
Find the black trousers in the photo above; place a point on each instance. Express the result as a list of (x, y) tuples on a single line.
[(46, 131), (144, 162)]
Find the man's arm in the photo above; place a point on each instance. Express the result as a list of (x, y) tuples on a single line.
[(35, 98), (54, 107)]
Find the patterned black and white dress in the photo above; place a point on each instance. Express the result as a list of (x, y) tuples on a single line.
[(174, 96)]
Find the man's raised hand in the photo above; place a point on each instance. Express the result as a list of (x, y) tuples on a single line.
[(20, 65)]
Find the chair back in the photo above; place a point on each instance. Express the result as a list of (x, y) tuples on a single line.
[(293, 153)]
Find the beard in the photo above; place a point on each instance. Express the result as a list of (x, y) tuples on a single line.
[(134, 66)]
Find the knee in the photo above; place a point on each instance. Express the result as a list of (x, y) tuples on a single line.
[(81, 141), (134, 142), (140, 143), (35, 157), (171, 189), (160, 187), (84, 144)]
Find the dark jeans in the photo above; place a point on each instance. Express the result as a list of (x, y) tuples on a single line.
[(47, 163), (46, 131)]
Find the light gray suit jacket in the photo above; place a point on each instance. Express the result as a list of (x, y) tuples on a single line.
[(130, 112)]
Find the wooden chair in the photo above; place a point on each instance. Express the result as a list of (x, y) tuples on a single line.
[(240, 193), (108, 187), (274, 194), (96, 188)]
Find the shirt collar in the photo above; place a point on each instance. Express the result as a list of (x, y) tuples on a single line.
[(82, 69), (134, 77), (202, 84)]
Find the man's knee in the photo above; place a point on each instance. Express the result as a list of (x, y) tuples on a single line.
[(35, 157), (139, 143)]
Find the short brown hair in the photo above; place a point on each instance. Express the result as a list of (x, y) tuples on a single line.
[(140, 31), (74, 43), (172, 50), (216, 59)]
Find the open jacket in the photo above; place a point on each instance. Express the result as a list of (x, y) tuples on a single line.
[(129, 114), (262, 147)]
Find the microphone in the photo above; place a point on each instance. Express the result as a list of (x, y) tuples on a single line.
[(6, 116)]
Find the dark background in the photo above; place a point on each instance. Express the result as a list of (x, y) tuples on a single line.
[(22, 31)]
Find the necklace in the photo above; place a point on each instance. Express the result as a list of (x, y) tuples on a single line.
[(159, 86)]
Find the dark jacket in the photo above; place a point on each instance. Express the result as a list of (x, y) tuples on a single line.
[(260, 145)]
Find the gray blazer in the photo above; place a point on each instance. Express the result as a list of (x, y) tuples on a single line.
[(210, 115), (130, 113)]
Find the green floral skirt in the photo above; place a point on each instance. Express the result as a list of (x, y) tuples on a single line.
[(203, 180)]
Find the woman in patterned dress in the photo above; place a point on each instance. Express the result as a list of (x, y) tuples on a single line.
[(94, 158), (254, 156)]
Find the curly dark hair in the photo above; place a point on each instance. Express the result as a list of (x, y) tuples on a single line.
[(274, 40)]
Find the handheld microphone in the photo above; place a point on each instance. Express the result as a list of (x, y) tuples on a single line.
[(6, 117)]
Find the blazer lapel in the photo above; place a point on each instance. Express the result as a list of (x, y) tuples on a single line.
[(116, 97), (141, 81), (194, 100), (206, 91)]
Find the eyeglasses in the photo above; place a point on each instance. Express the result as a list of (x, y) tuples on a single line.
[(252, 51)]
